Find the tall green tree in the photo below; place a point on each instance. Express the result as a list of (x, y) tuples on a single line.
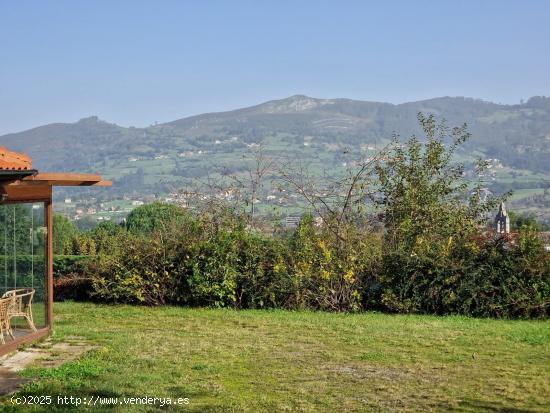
[(425, 198), (432, 216), (64, 234), (156, 216)]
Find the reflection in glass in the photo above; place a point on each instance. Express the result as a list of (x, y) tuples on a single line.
[(22, 269)]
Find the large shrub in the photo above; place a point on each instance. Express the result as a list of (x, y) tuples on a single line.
[(509, 276), (328, 271), (434, 260), (139, 270), (208, 260), (71, 280)]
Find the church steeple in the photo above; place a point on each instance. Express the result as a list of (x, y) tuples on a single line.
[(502, 220)]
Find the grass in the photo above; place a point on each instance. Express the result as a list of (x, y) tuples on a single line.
[(519, 194), (270, 361)]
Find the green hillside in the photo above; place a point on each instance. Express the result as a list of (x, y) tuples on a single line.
[(325, 133)]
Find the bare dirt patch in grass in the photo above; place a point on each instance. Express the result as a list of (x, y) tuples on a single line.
[(45, 354), (374, 372)]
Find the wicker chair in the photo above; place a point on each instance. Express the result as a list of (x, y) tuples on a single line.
[(5, 304), (21, 304)]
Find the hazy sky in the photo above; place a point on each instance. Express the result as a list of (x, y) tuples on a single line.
[(137, 62)]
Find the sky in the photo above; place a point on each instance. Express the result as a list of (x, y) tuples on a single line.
[(140, 62)]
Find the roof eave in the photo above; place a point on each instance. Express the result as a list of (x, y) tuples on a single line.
[(16, 174), (65, 179)]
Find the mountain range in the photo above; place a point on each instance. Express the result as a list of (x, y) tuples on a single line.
[(161, 157)]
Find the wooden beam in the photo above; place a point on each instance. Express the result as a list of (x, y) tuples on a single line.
[(22, 193), (63, 176), (103, 183), (64, 179), (29, 338), (63, 183), (48, 216)]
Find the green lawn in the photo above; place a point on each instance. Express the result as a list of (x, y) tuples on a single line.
[(271, 361)]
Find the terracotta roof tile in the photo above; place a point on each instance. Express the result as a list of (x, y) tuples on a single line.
[(14, 161)]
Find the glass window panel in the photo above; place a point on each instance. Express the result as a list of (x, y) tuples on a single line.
[(22, 265)]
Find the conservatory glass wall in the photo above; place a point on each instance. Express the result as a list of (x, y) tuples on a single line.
[(23, 294)]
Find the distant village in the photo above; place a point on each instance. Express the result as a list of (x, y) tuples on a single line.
[(94, 210)]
